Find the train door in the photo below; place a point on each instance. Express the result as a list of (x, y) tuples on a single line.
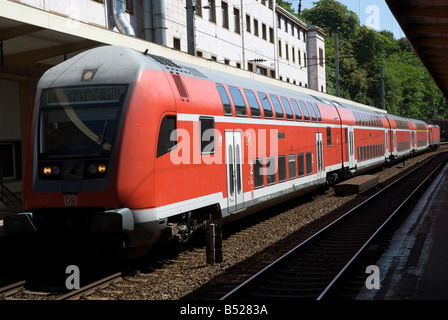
[(320, 155), (351, 147), (234, 161)]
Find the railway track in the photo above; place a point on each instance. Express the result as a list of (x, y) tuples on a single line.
[(311, 269)]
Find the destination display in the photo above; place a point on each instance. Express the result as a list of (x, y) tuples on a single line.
[(83, 95)]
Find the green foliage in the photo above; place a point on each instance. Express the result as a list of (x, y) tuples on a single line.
[(409, 88)]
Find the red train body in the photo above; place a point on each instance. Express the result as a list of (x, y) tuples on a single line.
[(150, 146)]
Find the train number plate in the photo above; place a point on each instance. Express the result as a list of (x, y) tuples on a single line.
[(71, 199)]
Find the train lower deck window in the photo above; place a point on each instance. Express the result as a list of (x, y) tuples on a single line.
[(167, 135), (292, 166), (258, 173), (225, 99), (271, 171), (328, 136), (267, 108), (277, 107), (300, 164), (281, 168), (309, 163), (255, 111), (207, 127), (238, 101)]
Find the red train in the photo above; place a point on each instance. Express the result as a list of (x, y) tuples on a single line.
[(126, 147)]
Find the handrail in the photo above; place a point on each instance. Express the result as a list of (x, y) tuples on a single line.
[(7, 196)]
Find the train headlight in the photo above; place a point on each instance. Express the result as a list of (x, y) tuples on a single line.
[(95, 170), (50, 171)]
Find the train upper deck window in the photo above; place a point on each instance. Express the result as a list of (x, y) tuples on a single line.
[(288, 109), (238, 101), (355, 114), (207, 127), (277, 106), (316, 107), (167, 135), (255, 111), (267, 108), (313, 113), (296, 110), (305, 112), (225, 99)]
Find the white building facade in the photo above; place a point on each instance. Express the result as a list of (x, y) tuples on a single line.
[(254, 35)]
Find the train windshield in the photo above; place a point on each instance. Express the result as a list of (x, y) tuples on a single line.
[(79, 121)]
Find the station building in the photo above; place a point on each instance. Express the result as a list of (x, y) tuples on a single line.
[(253, 35)]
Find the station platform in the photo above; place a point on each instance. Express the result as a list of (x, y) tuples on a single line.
[(415, 267)]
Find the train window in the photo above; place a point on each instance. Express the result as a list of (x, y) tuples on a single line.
[(328, 136), (271, 171), (366, 155), (309, 163), (225, 99), (346, 135), (267, 108), (258, 173), (359, 155), (207, 127), (316, 108), (277, 107), (356, 117), (313, 113), (292, 166), (305, 112), (255, 111), (281, 168), (361, 152), (300, 164), (167, 135), (238, 101), (288, 110), (296, 110)]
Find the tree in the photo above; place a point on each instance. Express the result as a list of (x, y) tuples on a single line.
[(332, 17)]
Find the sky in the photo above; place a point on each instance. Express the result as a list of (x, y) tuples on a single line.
[(373, 13)]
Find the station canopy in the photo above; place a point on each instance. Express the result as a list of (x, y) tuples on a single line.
[(425, 24)]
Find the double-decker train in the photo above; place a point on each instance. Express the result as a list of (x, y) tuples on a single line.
[(126, 146)]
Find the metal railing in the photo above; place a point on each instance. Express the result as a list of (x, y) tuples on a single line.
[(8, 197)]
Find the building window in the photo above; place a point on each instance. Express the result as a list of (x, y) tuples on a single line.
[(227, 61), (271, 35), (321, 57), (198, 10), (248, 23), (279, 21), (304, 59), (299, 57), (256, 27), (176, 43), (225, 14), (212, 8), (280, 48), (263, 31), (271, 4), (236, 19), (287, 52), (293, 55)]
